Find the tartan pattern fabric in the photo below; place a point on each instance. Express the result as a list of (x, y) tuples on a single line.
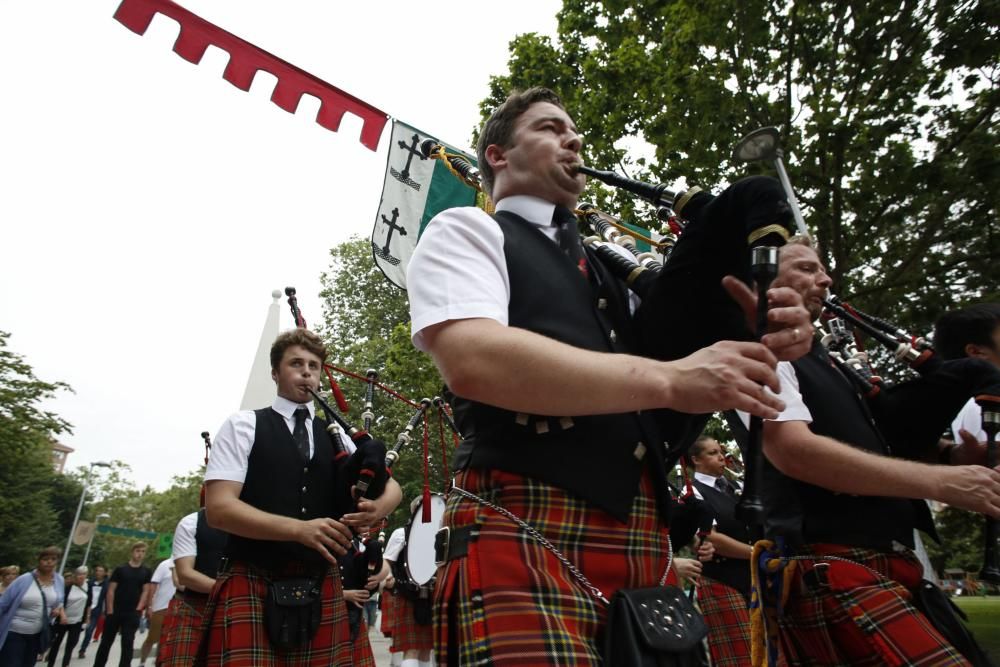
[(390, 609), (234, 624), (858, 618), (728, 619), (181, 630), (510, 601), (361, 648), (407, 634)]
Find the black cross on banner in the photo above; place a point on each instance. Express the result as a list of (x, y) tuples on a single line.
[(411, 149), (383, 252)]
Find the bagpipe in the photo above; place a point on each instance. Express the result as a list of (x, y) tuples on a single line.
[(913, 414)]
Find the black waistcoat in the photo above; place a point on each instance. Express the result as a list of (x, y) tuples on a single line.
[(804, 513), (597, 457), (279, 482), (211, 544), (733, 572)]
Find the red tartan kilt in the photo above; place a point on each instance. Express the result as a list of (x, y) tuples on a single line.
[(510, 601), (235, 625), (407, 634), (181, 630), (390, 609), (728, 619), (361, 649), (857, 618)]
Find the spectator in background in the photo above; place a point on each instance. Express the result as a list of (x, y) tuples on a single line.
[(77, 607), (97, 588), (27, 609), (162, 590), (7, 576), (126, 599)]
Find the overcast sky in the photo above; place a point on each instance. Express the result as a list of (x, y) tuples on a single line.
[(149, 208)]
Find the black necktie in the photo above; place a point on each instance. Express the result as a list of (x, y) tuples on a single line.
[(722, 484), (299, 435), (569, 237)]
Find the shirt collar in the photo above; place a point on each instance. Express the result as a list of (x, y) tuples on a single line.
[(535, 210), (286, 408), (705, 479)]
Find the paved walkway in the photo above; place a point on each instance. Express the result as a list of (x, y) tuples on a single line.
[(380, 646)]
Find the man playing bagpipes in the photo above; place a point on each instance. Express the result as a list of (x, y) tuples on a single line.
[(271, 484), (534, 339), (839, 583)]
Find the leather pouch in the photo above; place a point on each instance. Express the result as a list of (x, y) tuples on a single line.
[(653, 627), (292, 611)]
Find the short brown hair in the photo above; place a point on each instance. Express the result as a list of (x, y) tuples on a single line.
[(49, 551), (298, 336), (138, 545), (499, 128)]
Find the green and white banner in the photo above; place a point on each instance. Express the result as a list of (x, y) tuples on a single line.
[(416, 188)]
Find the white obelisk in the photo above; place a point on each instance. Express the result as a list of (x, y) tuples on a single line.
[(261, 390)]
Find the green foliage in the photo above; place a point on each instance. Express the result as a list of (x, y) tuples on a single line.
[(961, 545), (888, 113), (140, 509), (31, 493), (366, 324)]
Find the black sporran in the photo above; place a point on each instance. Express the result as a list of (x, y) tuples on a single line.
[(292, 611), (653, 627)]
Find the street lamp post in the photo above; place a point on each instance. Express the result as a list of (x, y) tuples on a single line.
[(79, 507), (86, 554)]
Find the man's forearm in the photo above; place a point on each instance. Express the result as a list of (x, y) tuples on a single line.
[(239, 518), (728, 547), (191, 578), (801, 454)]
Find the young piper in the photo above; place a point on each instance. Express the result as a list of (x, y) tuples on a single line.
[(279, 599), (536, 343)]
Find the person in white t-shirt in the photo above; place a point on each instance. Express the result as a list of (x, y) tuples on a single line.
[(77, 608), (162, 591)]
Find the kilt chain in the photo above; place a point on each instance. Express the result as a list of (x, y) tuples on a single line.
[(535, 534)]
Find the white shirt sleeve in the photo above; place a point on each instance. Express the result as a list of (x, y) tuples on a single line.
[(231, 448), (162, 571), (395, 544), (795, 409), (458, 271), (971, 419), (184, 537)]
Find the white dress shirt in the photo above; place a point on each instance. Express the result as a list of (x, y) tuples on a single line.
[(234, 440)]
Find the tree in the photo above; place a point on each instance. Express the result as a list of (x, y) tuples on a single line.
[(366, 323), (28, 520), (888, 113)]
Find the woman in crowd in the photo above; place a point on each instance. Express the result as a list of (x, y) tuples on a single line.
[(77, 608), (27, 609)]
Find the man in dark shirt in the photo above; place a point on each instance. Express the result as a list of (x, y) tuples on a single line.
[(126, 598)]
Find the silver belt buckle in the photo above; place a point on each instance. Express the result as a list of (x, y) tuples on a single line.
[(442, 541)]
